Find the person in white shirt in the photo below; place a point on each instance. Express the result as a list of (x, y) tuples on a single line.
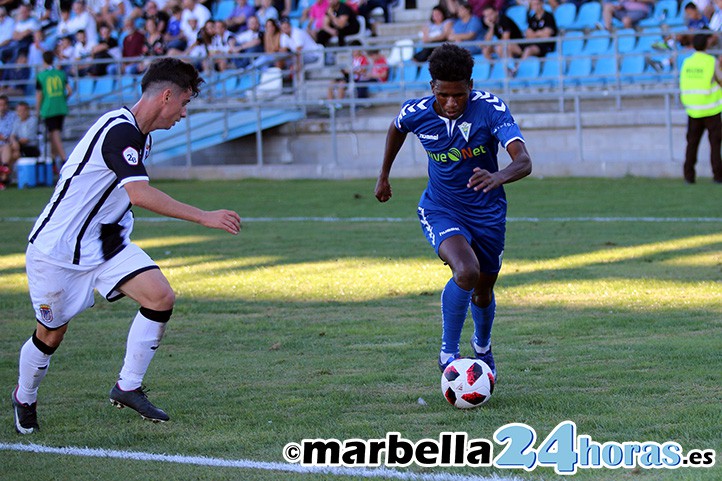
[(191, 9), (22, 34), (300, 42), (248, 41), (82, 19), (7, 25)]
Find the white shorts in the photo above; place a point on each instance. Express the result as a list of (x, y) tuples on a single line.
[(61, 291)]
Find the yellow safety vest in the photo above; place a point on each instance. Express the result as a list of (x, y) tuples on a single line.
[(701, 95)]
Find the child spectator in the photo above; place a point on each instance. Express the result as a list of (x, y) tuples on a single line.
[(359, 70)]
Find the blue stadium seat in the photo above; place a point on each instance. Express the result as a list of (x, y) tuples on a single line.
[(103, 86), (527, 70), (481, 71), (572, 43), (84, 88), (498, 75), (666, 12), (626, 40), (598, 43), (604, 71), (564, 15), (552, 70), (648, 37), (632, 68), (223, 9), (579, 68), (588, 16), (519, 14)]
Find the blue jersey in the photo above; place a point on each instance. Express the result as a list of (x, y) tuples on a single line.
[(456, 147)]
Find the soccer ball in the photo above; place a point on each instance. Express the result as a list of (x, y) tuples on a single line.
[(467, 383)]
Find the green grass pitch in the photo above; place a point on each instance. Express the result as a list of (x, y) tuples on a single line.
[(317, 329)]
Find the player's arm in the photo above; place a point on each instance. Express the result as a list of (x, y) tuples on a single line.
[(142, 194), (519, 168), (394, 141)]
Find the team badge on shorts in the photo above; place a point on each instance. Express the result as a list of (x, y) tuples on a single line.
[(46, 313)]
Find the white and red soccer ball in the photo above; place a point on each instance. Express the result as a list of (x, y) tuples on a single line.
[(467, 383)]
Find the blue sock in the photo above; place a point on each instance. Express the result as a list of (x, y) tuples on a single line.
[(483, 321), (454, 306)]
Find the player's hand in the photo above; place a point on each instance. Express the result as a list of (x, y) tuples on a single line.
[(223, 219), (383, 190), (483, 180)]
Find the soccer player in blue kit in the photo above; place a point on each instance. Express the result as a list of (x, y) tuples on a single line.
[(463, 209)]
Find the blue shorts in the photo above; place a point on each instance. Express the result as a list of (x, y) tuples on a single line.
[(486, 239)]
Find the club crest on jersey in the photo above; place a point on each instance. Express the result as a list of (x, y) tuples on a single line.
[(46, 313), (130, 155), (465, 128)]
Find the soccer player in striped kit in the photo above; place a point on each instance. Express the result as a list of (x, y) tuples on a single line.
[(81, 241)]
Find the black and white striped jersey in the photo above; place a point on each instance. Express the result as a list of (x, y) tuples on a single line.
[(88, 219)]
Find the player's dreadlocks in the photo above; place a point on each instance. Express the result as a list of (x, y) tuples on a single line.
[(451, 63)]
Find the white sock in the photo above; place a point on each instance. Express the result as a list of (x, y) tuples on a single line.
[(33, 367), (445, 357), (143, 339), (479, 349)]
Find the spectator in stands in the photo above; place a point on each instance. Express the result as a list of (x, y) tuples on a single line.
[(629, 12), (437, 30), (190, 30), (504, 29), (271, 46), (199, 50), (266, 12), (715, 21), (7, 120), (221, 45), (36, 49), (82, 19), (300, 43), (450, 7), (247, 42), (478, 6), (24, 137), (111, 12), (541, 26), (46, 12), (51, 101), (133, 46), (82, 53), (466, 28), (239, 16), (154, 41), (359, 69), (22, 35), (316, 15), (340, 22), (64, 52), (161, 17), (192, 9), (17, 77), (367, 6), (7, 25), (105, 49), (175, 37), (695, 20), (707, 7), (283, 7)]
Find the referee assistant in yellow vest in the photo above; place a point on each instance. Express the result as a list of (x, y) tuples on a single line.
[(701, 94)]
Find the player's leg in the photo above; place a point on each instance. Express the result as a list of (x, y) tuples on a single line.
[(132, 273), (458, 254), (57, 295), (483, 311)]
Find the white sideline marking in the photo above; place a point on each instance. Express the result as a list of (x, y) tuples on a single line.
[(383, 473), (414, 219)]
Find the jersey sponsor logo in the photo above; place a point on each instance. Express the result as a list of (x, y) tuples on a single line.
[(46, 313), (455, 155), (131, 155), (492, 99), (429, 137), (465, 128)]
